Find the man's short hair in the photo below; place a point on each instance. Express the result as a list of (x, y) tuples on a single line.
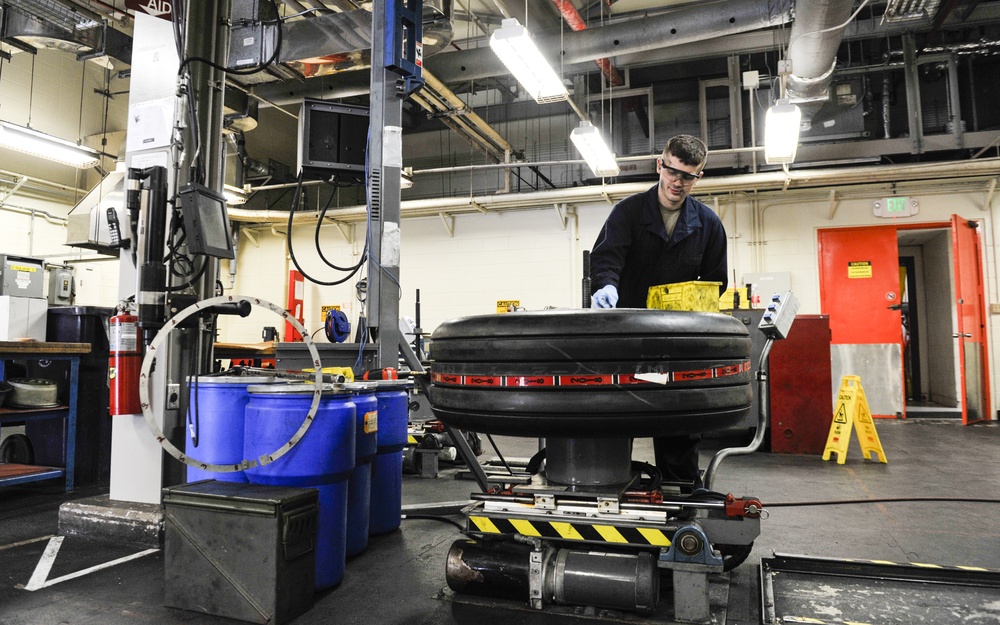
[(689, 150)]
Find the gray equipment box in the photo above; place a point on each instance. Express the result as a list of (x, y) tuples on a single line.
[(243, 551), (21, 276)]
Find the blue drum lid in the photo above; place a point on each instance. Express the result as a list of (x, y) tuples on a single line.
[(297, 388), (361, 387), (246, 380), (393, 385)]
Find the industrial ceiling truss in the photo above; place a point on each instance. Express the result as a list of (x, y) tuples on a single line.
[(881, 82)]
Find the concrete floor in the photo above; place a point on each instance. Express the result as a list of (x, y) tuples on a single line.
[(400, 577)]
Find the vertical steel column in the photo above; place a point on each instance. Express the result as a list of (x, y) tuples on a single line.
[(383, 191), (955, 102), (736, 105), (207, 37), (189, 350), (914, 114)]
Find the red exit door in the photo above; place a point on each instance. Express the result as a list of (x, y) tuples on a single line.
[(859, 290), (971, 331)]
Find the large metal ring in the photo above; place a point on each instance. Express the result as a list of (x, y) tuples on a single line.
[(150, 358)]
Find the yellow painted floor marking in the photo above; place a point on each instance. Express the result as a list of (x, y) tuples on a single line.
[(971, 568), (927, 566), (27, 542)]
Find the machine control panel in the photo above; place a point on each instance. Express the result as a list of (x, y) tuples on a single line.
[(778, 316)]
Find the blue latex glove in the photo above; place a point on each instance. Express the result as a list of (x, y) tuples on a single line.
[(605, 297)]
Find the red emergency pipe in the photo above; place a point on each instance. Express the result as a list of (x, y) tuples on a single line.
[(575, 21)]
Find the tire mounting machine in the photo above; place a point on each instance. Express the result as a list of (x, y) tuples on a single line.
[(586, 528)]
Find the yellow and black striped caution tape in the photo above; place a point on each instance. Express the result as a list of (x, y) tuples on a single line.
[(816, 621), (924, 565), (590, 532), (781, 564)]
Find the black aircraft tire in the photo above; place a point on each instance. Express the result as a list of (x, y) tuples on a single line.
[(571, 373), (17, 449)]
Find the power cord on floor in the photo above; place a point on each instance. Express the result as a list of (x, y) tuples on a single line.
[(844, 502), (430, 517)]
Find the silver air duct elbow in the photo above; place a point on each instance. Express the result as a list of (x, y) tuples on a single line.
[(817, 31)]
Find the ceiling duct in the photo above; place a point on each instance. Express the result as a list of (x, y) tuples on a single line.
[(904, 10), (29, 25), (812, 49), (239, 111), (692, 24), (689, 24), (322, 45)]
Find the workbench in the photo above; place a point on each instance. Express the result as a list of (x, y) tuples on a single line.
[(10, 473)]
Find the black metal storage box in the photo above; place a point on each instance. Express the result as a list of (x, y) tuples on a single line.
[(243, 551)]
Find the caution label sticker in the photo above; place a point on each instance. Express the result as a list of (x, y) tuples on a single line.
[(859, 269), (371, 422)]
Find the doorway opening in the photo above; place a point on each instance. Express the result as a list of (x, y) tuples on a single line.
[(865, 273), (931, 387)]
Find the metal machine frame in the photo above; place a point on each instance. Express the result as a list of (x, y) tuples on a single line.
[(588, 506)]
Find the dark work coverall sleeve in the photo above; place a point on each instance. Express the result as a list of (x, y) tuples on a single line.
[(715, 263), (633, 252), (608, 255)]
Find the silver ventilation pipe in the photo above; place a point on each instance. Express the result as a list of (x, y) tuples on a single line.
[(706, 20), (688, 25), (812, 50)]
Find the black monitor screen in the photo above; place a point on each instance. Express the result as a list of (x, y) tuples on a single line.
[(206, 221), (332, 138)]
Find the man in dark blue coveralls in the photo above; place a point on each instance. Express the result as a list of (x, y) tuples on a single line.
[(657, 237)]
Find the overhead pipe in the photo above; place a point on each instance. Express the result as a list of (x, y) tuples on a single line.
[(760, 182), (575, 21), (687, 25), (812, 50), (455, 121), (457, 104)]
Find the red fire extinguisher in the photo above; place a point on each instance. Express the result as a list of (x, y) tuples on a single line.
[(124, 364)]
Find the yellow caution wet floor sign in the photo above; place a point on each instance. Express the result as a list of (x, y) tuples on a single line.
[(852, 411)]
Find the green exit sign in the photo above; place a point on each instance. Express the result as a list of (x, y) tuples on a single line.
[(896, 204), (894, 207)]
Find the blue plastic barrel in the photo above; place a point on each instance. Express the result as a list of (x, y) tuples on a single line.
[(360, 485), (387, 467), (323, 459), (214, 424)]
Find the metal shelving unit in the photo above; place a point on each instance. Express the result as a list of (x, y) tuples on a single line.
[(11, 474)]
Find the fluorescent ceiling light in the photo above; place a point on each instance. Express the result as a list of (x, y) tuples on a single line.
[(46, 146), (513, 44), (588, 141), (781, 133)]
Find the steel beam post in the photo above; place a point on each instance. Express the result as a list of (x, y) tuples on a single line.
[(385, 167)]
